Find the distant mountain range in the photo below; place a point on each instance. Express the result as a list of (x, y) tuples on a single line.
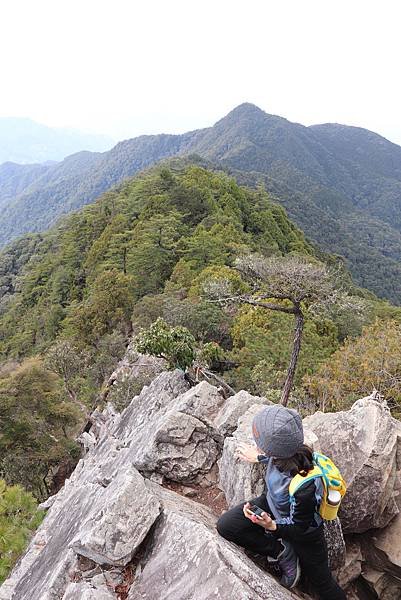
[(25, 141), (340, 184)]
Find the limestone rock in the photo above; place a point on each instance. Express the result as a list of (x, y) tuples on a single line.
[(235, 406), (238, 479), (190, 561), (365, 443), (382, 549), (202, 401), (175, 438), (180, 446), (95, 511), (85, 591), (137, 366), (387, 543), (120, 523), (384, 585), (352, 567), (106, 525)]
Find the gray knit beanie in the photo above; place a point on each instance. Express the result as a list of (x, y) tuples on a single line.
[(278, 431)]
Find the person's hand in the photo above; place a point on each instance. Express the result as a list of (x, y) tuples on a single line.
[(247, 452), (264, 520)]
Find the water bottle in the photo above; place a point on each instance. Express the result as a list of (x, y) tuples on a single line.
[(330, 508)]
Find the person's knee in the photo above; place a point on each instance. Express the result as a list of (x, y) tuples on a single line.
[(223, 526)]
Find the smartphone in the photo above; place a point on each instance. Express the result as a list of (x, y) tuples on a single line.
[(255, 510)]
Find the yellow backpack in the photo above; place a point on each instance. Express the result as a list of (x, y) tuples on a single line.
[(333, 483)]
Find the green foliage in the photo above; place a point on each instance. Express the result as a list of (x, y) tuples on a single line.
[(141, 254), (262, 342), (106, 309), (84, 277), (372, 361), (19, 517), (211, 353), (35, 419), (340, 184), (175, 344)]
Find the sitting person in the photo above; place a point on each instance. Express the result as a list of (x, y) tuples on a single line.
[(290, 532)]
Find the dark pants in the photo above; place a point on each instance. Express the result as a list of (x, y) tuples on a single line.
[(310, 547)]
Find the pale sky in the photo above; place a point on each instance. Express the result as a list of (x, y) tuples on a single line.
[(127, 67)]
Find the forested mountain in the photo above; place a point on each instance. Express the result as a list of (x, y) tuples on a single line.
[(71, 296), (341, 185), (25, 141), (146, 253)]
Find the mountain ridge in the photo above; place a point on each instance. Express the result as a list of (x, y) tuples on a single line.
[(340, 184)]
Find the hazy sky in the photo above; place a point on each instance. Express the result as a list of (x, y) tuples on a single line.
[(126, 67)]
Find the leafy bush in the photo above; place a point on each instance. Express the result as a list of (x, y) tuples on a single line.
[(175, 344), (19, 517)]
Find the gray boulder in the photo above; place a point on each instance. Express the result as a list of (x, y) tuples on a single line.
[(83, 590), (99, 511), (190, 561), (105, 524), (118, 526), (383, 585), (176, 438), (239, 479), (234, 407), (136, 366), (365, 443), (352, 567), (382, 549)]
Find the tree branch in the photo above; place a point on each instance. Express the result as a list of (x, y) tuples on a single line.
[(252, 302)]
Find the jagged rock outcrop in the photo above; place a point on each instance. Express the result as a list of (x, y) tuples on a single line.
[(113, 532), (365, 443), (137, 366), (83, 590), (108, 513), (114, 513), (177, 439), (235, 406), (382, 584), (352, 567), (238, 479), (381, 550), (188, 561)]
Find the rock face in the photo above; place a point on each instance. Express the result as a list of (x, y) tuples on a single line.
[(114, 531), (240, 480), (113, 525), (227, 418), (352, 567), (107, 513), (189, 562), (86, 591), (365, 443), (98, 513)]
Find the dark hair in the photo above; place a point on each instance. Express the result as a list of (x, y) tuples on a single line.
[(301, 462)]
